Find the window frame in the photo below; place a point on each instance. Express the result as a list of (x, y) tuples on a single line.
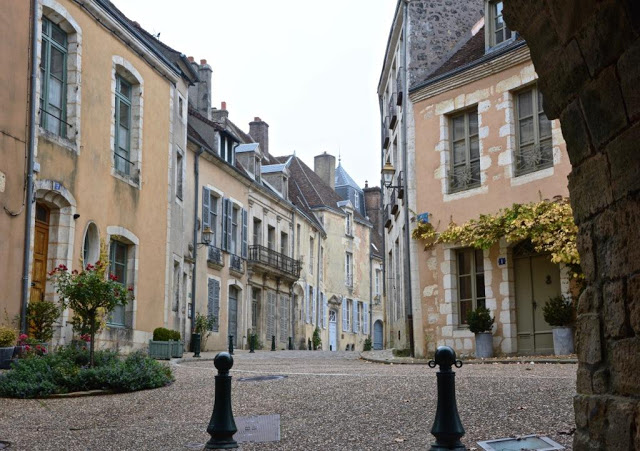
[(473, 275), (179, 186), (112, 270), (491, 13), (536, 111), (348, 269), (467, 140), (48, 42), (119, 101)]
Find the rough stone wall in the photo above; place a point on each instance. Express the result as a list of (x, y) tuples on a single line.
[(372, 208), (586, 53), (435, 27)]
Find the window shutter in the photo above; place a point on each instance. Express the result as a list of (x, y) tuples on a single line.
[(284, 318), (223, 243), (355, 316), (325, 309), (206, 208), (229, 227), (245, 251), (365, 318), (213, 302), (306, 304), (312, 296), (345, 321)]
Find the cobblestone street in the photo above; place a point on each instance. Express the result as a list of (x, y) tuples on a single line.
[(327, 401)]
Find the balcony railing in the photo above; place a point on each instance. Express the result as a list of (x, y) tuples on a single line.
[(464, 177), (267, 257), (348, 280), (214, 256), (533, 158), (236, 264)]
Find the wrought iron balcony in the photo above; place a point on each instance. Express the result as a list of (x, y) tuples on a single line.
[(533, 158), (464, 177), (236, 264), (214, 256), (267, 260)]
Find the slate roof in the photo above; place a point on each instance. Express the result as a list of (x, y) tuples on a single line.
[(251, 147), (344, 179)]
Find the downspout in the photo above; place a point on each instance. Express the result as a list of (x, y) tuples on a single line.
[(382, 213), (30, 156), (370, 289), (196, 200), (318, 236), (405, 167), (291, 295)]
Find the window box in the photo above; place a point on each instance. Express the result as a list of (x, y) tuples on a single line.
[(165, 350)]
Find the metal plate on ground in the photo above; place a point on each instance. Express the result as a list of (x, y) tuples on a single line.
[(527, 442), (261, 428), (261, 378), (4, 445)]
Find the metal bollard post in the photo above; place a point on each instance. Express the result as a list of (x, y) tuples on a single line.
[(222, 426), (231, 344), (309, 343), (273, 342), (447, 427), (252, 344), (195, 343), (290, 343)]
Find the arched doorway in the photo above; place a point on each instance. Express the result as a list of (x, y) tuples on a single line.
[(333, 330), (378, 335)]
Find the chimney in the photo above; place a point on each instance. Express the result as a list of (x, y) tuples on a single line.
[(200, 93), (325, 166), (220, 115), (372, 206), (259, 131)]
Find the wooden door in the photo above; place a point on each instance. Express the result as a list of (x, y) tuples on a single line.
[(233, 314), (40, 251)]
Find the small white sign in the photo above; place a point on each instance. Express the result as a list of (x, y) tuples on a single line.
[(2, 181)]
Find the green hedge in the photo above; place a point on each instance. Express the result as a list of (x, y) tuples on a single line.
[(162, 334), (66, 371)]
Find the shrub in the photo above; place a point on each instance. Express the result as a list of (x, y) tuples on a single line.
[(162, 334), (402, 352), (204, 324), (316, 340), (480, 320), (8, 337), (66, 371), (368, 346), (41, 315), (558, 311), (257, 344)]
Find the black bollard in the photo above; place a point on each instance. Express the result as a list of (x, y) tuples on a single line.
[(231, 344), (222, 426), (290, 343), (195, 343), (273, 342), (252, 343), (309, 343), (447, 427)]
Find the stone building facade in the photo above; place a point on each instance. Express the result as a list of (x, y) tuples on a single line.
[(483, 143), (421, 35)]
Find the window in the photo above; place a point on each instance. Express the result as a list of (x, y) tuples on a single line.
[(311, 245), (233, 248), (123, 126), (257, 231), (210, 213), (357, 201), (255, 301), (91, 245), (349, 316), (227, 148), (497, 28), (176, 286), (53, 79), (348, 269), (179, 174), (284, 243), (470, 274), (321, 275), (298, 240), (118, 260), (465, 152), (348, 229), (271, 237), (378, 276), (180, 107), (535, 149)]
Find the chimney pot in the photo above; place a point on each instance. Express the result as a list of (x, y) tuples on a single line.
[(191, 59), (223, 105), (257, 119), (203, 62)]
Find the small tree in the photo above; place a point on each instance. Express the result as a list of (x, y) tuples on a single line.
[(90, 295), (204, 324), (317, 341), (41, 316)]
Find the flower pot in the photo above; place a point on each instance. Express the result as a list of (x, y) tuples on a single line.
[(562, 340), (6, 354), (484, 345)]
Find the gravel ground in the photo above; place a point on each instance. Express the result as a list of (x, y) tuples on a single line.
[(328, 401)]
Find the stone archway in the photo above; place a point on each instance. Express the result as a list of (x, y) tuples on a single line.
[(586, 53)]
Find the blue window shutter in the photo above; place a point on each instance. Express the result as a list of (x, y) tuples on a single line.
[(225, 204), (213, 302), (206, 208), (245, 251), (229, 228), (345, 321)]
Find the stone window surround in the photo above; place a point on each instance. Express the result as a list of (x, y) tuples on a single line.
[(182, 171), (124, 235), (57, 14), (489, 45), (93, 257), (123, 68)]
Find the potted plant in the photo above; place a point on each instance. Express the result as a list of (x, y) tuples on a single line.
[(7, 344), (559, 313), (480, 323), (165, 344)]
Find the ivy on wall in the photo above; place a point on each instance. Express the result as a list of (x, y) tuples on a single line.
[(548, 224)]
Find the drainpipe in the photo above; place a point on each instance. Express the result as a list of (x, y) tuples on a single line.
[(405, 167), (196, 200), (370, 291), (291, 295), (30, 156)]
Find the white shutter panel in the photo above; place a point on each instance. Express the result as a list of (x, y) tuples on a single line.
[(225, 204), (306, 304), (312, 296), (355, 316), (229, 227), (213, 302), (365, 318), (244, 234), (345, 322), (325, 310), (206, 207)]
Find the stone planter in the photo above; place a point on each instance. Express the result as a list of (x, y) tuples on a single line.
[(165, 350), (6, 354), (562, 340), (484, 345)]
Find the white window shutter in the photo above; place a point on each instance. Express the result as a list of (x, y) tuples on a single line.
[(306, 304), (312, 296), (325, 311), (355, 316), (345, 322), (206, 198), (365, 318), (245, 249)]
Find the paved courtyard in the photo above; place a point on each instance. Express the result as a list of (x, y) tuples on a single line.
[(327, 401)]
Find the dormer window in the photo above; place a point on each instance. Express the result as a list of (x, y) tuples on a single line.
[(497, 31), (226, 147)]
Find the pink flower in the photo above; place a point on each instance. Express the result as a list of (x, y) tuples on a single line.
[(75, 271), (98, 263), (23, 337), (27, 348), (113, 277), (130, 288)]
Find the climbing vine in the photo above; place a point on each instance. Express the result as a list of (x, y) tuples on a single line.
[(548, 224)]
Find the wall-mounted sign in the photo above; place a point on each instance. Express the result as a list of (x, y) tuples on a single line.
[(190, 308), (502, 261), (423, 217), (56, 186)]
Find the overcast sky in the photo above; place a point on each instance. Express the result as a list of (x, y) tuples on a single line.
[(309, 69)]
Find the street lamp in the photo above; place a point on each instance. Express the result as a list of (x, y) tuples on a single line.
[(207, 236), (388, 171)]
